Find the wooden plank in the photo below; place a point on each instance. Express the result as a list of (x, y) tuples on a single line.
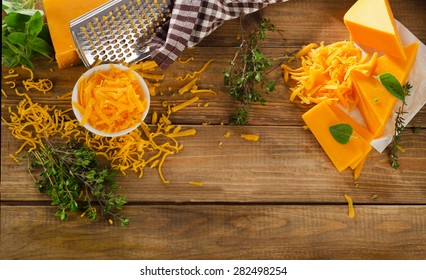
[(299, 22), (277, 111), (219, 232), (285, 165)]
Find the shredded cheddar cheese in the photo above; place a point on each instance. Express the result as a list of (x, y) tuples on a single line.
[(351, 211), (43, 85), (111, 101), (184, 104), (188, 86), (198, 184), (192, 76), (10, 76), (31, 122), (324, 73), (186, 60), (250, 137), (147, 146), (11, 83), (30, 71)]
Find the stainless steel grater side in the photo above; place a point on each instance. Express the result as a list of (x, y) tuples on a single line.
[(119, 31)]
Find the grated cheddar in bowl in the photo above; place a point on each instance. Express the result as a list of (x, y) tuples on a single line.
[(110, 100)]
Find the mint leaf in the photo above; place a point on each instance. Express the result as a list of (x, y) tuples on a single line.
[(16, 21), (26, 62), (34, 25), (23, 35), (341, 132), (391, 83), (18, 38), (41, 46)]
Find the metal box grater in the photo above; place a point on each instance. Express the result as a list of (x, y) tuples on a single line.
[(119, 31)]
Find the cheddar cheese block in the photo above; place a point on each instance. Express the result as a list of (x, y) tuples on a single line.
[(319, 119), (398, 67), (375, 102), (59, 13), (371, 24)]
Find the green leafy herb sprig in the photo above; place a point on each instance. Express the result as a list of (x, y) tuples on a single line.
[(391, 83), (24, 34), (73, 179), (245, 76), (18, 5)]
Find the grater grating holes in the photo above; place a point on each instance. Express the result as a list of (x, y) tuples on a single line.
[(124, 31)]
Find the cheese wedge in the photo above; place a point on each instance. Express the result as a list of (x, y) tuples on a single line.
[(319, 119), (371, 24), (59, 13), (398, 67), (375, 103)]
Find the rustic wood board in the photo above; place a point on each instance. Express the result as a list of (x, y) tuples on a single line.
[(274, 169), (219, 232)]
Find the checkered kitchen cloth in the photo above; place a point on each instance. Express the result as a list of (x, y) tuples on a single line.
[(192, 20)]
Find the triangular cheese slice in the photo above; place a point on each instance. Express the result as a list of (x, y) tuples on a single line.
[(398, 67), (360, 129), (375, 102), (371, 24)]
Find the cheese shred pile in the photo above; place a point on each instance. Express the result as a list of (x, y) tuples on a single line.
[(324, 73), (111, 100), (142, 147), (147, 146), (32, 122)]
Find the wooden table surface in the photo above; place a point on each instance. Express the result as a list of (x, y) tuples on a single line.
[(278, 198)]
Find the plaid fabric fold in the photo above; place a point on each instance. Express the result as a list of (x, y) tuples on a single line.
[(193, 20)]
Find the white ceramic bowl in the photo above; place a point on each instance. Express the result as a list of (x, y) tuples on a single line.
[(105, 67)]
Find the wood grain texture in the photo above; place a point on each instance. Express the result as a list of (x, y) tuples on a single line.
[(278, 198), (285, 165), (219, 232)]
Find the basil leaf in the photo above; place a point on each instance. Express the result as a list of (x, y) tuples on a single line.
[(16, 21), (34, 25), (391, 83), (27, 62), (341, 132), (45, 35), (18, 38), (11, 61), (41, 46)]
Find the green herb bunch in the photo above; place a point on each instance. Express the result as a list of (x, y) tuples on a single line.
[(71, 176), (245, 76), (18, 5), (391, 83), (399, 127), (24, 34)]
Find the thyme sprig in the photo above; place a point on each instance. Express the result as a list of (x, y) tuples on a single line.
[(72, 177), (245, 76), (399, 127)]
